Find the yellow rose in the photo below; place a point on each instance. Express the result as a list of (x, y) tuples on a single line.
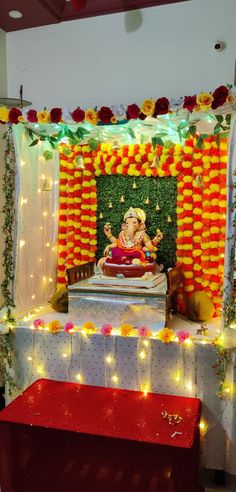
[(54, 326), (4, 112), (166, 335), (91, 116), (204, 100), (148, 107), (43, 117)]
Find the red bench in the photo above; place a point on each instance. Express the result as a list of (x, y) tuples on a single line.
[(66, 437)]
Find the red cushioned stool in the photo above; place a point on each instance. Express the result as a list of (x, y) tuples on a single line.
[(66, 437)]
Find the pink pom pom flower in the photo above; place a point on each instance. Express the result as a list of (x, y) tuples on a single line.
[(144, 331), (69, 326), (183, 335), (38, 323), (106, 330)]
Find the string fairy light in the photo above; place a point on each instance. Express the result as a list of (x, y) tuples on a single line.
[(79, 377), (109, 359), (142, 355), (115, 378)]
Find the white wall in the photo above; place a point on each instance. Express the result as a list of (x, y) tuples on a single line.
[(3, 64), (95, 61)]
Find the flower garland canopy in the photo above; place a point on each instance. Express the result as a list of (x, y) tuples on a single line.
[(200, 207), (205, 101)]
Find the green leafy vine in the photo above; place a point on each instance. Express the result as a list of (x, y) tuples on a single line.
[(221, 365), (8, 188)]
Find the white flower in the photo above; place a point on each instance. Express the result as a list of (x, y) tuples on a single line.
[(119, 112), (66, 115), (176, 103)]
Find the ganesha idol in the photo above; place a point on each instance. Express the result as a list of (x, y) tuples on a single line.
[(133, 253)]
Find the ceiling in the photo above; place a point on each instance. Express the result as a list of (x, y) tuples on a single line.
[(44, 12)]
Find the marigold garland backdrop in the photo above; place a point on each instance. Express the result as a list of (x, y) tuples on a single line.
[(200, 207)]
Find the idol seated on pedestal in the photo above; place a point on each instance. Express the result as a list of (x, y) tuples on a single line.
[(133, 253)]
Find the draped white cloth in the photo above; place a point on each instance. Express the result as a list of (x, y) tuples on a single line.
[(36, 222)]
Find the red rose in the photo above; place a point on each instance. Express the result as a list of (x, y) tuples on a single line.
[(142, 116), (105, 114), (32, 116), (220, 95), (161, 106), (55, 115), (132, 112), (14, 114), (78, 115), (190, 102)]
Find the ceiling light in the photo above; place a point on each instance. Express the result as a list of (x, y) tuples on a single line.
[(15, 14)]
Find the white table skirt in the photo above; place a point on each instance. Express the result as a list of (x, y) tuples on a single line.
[(173, 369)]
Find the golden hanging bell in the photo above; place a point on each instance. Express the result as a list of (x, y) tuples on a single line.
[(47, 185), (110, 205), (198, 182), (169, 219), (101, 215), (147, 201), (115, 144), (155, 162), (158, 207), (122, 199), (134, 185), (79, 162)]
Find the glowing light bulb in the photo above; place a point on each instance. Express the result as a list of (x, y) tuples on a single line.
[(177, 377), (189, 386), (43, 176), (115, 378), (146, 343), (188, 342), (47, 244), (22, 243), (145, 388), (142, 355), (32, 297), (23, 200), (40, 260), (22, 163), (79, 377), (108, 359), (50, 280), (31, 276), (202, 426), (40, 370), (45, 213), (29, 358), (65, 355), (39, 190), (44, 279)]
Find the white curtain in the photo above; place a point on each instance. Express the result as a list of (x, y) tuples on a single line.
[(36, 222)]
